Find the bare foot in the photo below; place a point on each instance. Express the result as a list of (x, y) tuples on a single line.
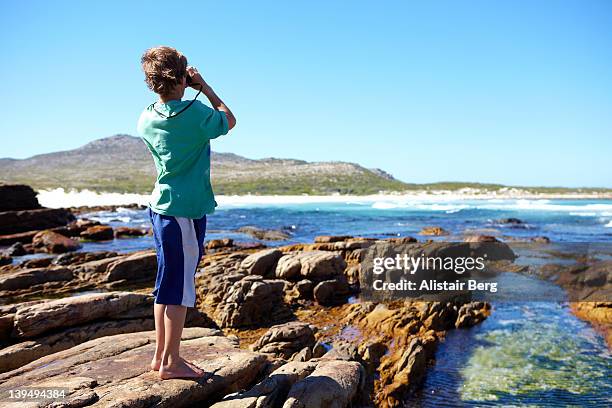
[(182, 369), (156, 363)]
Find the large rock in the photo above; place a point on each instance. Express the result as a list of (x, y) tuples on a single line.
[(114, 371), (219, 243), (332, 292), (54, 243), (252, 301), (135, 267), (272, 391), (27, 278), (404, 372), (12, 222), (472, 313), (263, 234), (325, 239), (284, 340), (333, 384), (79, 258), (22, 353), (137, 319), (289, 267), (98, 233), (436, 231), (17, 197), (313, 265), (21, 237), (262, 262), (39, 318), (75, 228), (126, 232)]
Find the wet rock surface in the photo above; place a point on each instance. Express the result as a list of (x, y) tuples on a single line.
[(589, 286), (98, 233), (54, 243)]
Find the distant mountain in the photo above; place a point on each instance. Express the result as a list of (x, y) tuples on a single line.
[(122, 163)]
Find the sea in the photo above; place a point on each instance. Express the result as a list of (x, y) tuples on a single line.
[(526, 353)]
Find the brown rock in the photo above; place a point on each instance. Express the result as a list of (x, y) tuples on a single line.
[(12, 222), (22, 237), (20, 354), (78, 258), (75, 228), (265, 235), (304, 288), (25, 278), (289, 267), (332, 292), (98, 233), (37, 262), (136, 320), (510, 221), (405, 372), (472, 313), (286, 339), (481, 238), (54, 243), (331, 238), (113, 371), (314, 265), (121, 232), (272, 391), (402, 240), (139, 266), (252, 301), (17, 197), (331, 384), (219, 243), (436, 231), (597, 313), (262, 262), (31, 321)]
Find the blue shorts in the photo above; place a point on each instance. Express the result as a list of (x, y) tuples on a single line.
[(179, 243)]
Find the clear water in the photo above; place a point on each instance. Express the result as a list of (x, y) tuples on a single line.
[(524, 354)]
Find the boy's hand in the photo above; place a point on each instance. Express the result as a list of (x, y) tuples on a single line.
[(196, 78), (215, 101)]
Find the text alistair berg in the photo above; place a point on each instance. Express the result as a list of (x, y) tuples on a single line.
[(410, 264)]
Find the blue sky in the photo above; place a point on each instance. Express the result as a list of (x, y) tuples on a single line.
[(515, 92)]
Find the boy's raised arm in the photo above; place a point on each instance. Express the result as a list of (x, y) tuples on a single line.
[(214, 99)]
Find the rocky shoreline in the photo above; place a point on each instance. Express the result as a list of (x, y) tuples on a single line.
[(272, 327)]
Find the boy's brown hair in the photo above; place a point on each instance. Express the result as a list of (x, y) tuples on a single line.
[(164, 68)]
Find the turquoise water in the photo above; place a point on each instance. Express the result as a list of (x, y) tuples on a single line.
[(560, 220), (524, 354)]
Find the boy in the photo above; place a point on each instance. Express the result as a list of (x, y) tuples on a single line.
[(178, 135)]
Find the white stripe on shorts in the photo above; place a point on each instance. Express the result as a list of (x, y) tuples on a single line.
[(191, 254)]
